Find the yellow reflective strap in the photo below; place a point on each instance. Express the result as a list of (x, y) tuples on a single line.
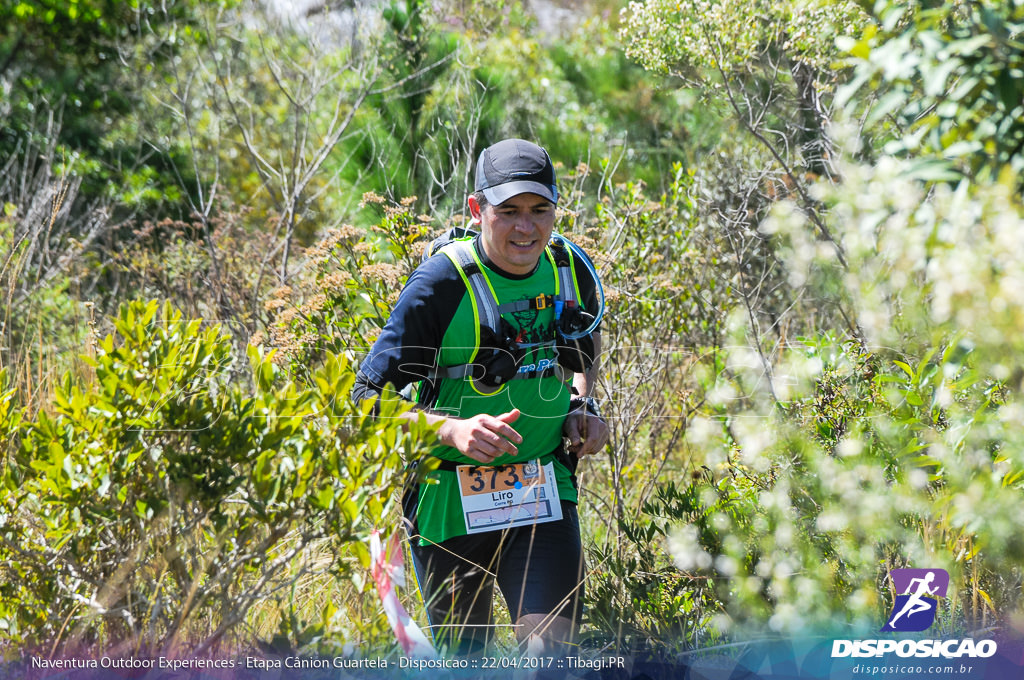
[(554, 266), (472, 299)]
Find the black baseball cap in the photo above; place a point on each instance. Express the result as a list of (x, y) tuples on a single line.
[(512, 167)]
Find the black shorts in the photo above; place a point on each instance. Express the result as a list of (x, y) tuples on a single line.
[(538, 569)]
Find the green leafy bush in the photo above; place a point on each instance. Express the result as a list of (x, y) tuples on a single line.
[(160, 504), (637, 598), (943, 80)]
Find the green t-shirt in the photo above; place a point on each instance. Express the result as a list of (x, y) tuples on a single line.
[(543, 402)]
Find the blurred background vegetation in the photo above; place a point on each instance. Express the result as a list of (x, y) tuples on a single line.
[(807, 217)]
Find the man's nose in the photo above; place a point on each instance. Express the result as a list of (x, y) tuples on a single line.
[(523, 222)]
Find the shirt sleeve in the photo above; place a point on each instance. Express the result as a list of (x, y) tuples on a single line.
[(408, 346)]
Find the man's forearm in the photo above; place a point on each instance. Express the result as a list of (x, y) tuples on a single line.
[(482, 439), (444, 432), (585, 383)]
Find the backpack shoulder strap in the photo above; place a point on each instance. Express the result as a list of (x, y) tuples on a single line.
[(448, 237), (481, 295)]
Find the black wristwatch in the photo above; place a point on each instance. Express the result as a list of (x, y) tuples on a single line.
[(589, 403)]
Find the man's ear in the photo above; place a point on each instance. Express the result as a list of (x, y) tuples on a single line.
[(474, 208)]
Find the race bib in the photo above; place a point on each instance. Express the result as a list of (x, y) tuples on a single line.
[(504, 496)]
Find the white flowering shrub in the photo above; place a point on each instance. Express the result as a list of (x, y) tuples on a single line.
[(844, 458)]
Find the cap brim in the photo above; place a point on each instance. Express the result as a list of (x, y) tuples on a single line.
[(501, 193)]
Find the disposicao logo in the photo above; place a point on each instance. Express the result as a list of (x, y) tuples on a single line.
[(915, 609)]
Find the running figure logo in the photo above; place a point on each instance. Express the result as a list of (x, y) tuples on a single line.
[(915, 609)]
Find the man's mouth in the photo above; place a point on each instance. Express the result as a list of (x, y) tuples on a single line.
[(523, 244)]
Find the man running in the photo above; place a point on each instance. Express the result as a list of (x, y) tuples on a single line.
[(498, 332)]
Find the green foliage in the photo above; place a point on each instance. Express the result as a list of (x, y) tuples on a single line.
[(637, 598), (801, 396), (944, 82), (446, 95), (766, 74), (866, 444), (768, 67), (43, 247), (801, 523), (734, 36), (405, 139), (60, 51), (158, 505), (647, 355), (63, 76), (832, 459)]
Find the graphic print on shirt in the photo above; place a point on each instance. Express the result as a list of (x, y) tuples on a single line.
[(532, 331), (529, 331)]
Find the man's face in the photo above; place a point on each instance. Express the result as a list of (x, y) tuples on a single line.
[(515, 233)]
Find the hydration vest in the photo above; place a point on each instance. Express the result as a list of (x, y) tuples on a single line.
[(498, 353)]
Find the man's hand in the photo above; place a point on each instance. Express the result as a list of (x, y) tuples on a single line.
[(483, 438), (587, 433)]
